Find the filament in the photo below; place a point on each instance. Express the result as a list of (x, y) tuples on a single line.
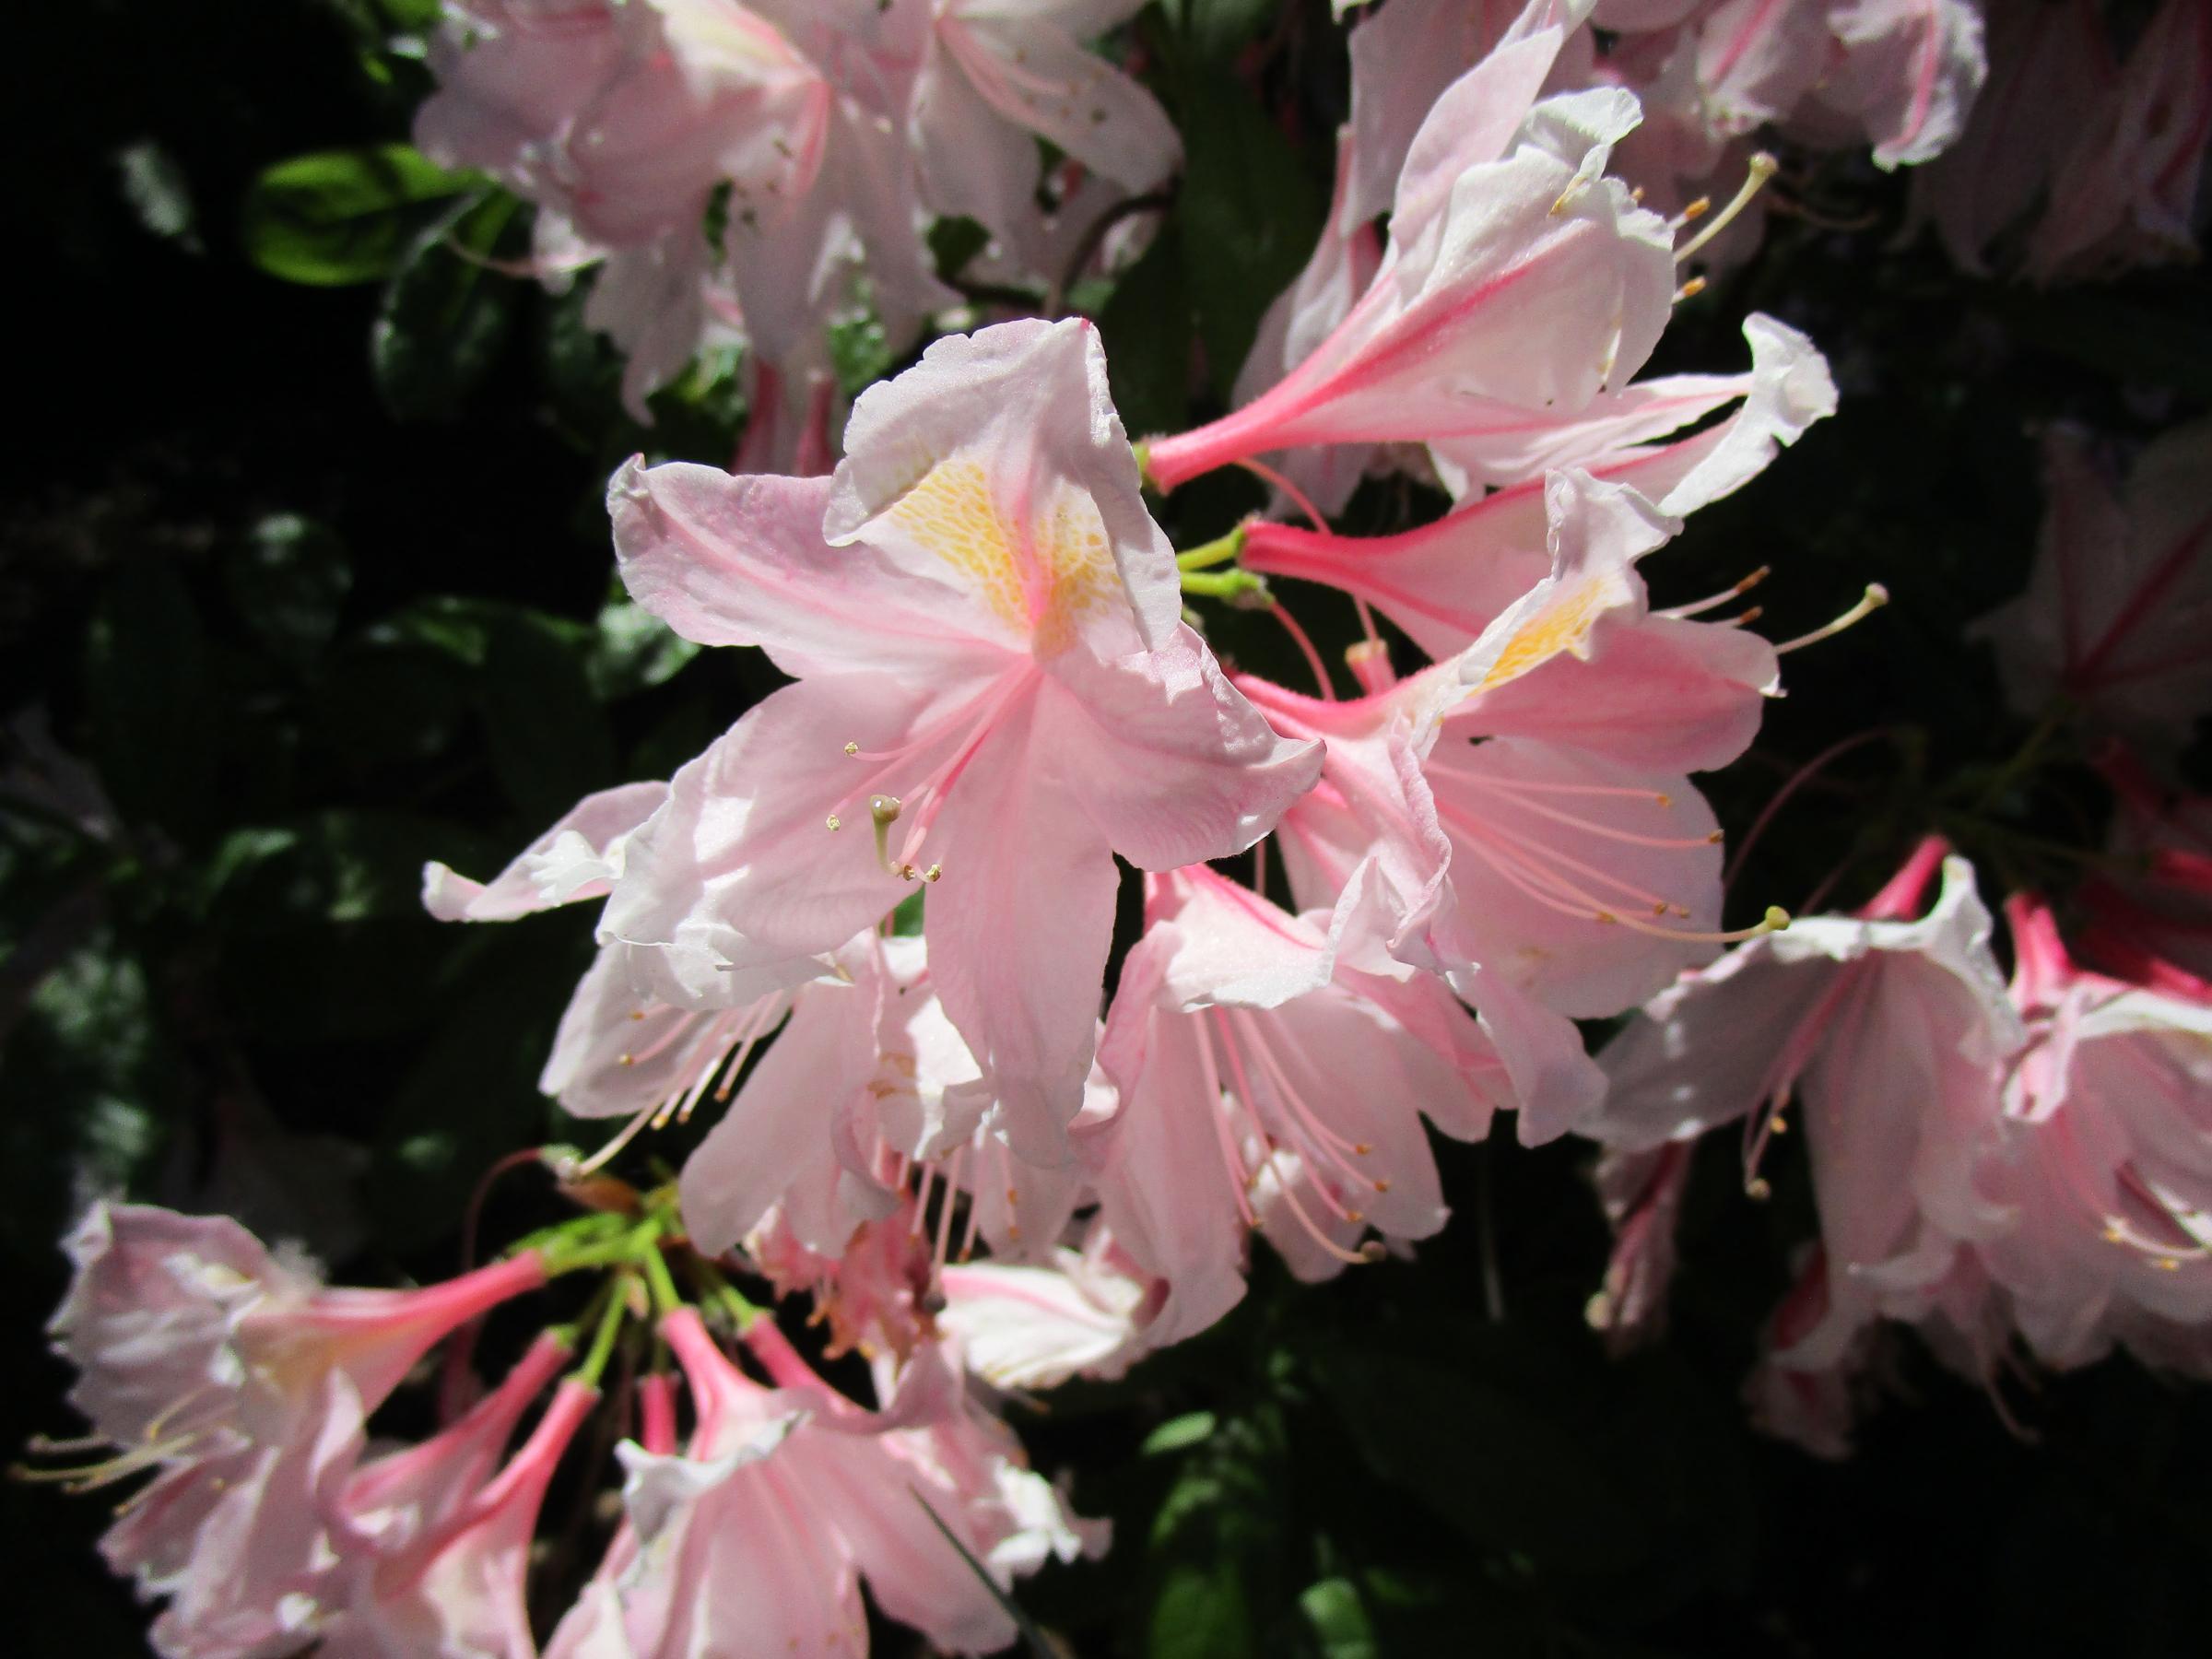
[(1711, 600), (1760, 168), (1876, 596)]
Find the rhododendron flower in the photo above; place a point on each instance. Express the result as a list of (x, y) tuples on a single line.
[(1516, 273), (2109, 1179), (594, 1627), (1904, 73), (1081, 1312), (621, 118), (997, 78), (2115, 614), (1642, 1193), (756, 1540), (2050, 69), (245, 1384), (2127, 192), (1895, 1031), (458, 1588), (393, 1500), (1509, 803), (2152, 924), (1266, 1085), (992, 681)]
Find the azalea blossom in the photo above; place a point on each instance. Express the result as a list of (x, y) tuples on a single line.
[(2051, 70), (756, 1539), (2152, 924), (1265, 1085), (458, 1587), (1520, 811), (992, 687), (2127, 192), (2115, 612), (244, 1383), (2107, 1179), (997, 78), (1515, 274), (1896, 1033), (1078, 1313), (594, 1627)]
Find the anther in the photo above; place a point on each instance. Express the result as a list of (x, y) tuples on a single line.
[(851, 749), (1383, 1185), (636, 1013), (1778, 1124), (1876, 596), (1361, 1147), (1758, 1190), (933, 873), (1755, 175), (1695, 210), (834, 822), (1373, 1250), (1690, 289)]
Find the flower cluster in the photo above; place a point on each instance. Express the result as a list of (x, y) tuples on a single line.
[(822, 136), (868, 936)]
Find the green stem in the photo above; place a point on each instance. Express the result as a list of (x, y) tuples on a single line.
[(666, 1297), (1224, 584), (733, 1301), (617, 1300), (1220, 550), (2025, 756)]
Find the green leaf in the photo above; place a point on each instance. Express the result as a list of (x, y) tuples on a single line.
[(289, 579), (341, 216), (1502, 1463), (634, 651), (1248, 216), (152, 705), (546, 734), (1214, 31), (1177, 1433), (1146, 327), (446, 313), (1339, 1619)]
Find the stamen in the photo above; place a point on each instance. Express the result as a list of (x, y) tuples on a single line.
[(1762, 167), (1238, 1175), (1252, 1103), (1711, 600), (832, 822), (1695, 210), (1369, 1252), (1690, 289), (1876, 596)]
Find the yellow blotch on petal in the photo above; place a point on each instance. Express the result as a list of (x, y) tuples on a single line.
[(1043, 577), (1563, 624)]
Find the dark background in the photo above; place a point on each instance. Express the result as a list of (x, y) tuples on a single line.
[(307, 585)]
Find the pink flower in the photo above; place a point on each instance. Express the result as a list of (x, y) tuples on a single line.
[(755, 1541), (1078, 1313), (1265, 1085), (620, 118), (594, 1627), (404, 1494), (2154, 927), (2049, 70), (1516, 273), (2107, 1179), (2127, 192), (983, 619), (577, 859), (849, 203), (457, 1589), (246, 1383), (1642, 1193), (2115, 612), (1907, 72), (997, 78), (1896, 1033), (1510, 806)]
